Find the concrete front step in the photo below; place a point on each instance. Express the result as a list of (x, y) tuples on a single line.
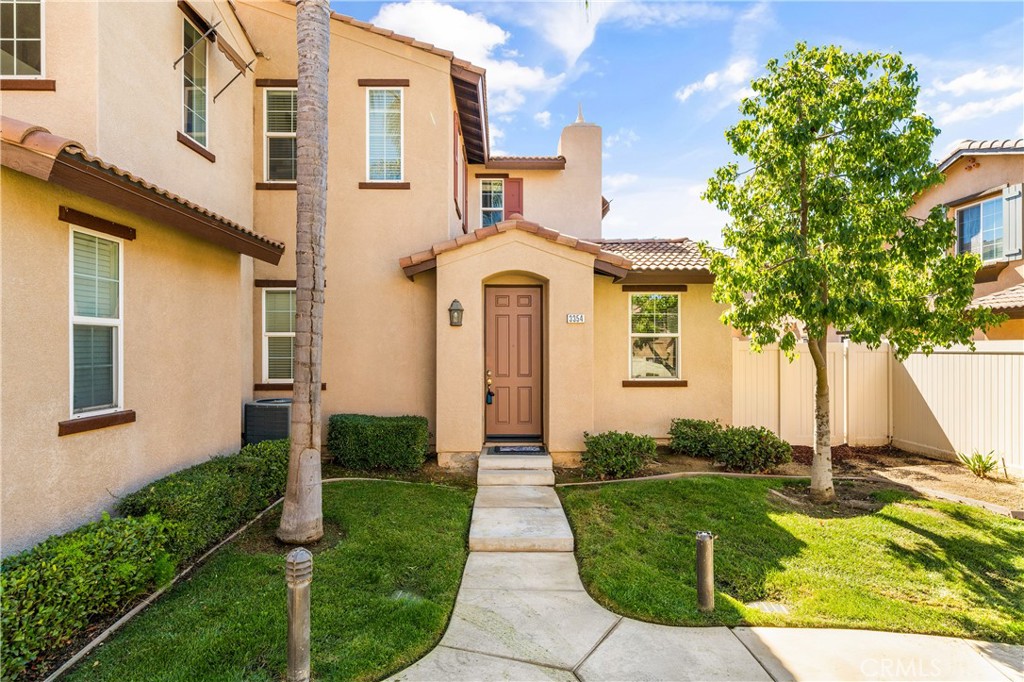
[(520, 530), (515, 477), (515, 462)]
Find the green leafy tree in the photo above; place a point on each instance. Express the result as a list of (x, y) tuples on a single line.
[(819, 234)]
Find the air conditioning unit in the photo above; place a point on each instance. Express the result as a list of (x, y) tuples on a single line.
[(267, 419)]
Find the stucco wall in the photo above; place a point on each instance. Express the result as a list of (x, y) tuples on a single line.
[(71, 59), (118, 94), (568, 280), (181, 327), (705, 355), (991, 171), (566, 200), (378, 326)]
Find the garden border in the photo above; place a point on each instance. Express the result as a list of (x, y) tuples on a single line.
[(927, 492)]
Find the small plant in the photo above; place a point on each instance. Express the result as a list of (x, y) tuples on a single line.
[(616, 455), (694, 437), (751, 449), (978, 464)]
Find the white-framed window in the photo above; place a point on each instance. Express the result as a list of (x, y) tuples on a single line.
[(492, 201), (194, 84), (21, 39), (96, 294), (279, 148), (980, 229), (654, 336), (278, 334), (385, 133)]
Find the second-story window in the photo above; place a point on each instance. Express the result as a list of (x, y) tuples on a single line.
[(195, 84), (21, 38), (980, 229), (384, 134), (280, 135), (492, 202)]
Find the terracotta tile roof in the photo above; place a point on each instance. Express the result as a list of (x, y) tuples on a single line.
[(515, 222), (658, 254), (45, 148), (1011, 299), (1009, 146), (528, 158)]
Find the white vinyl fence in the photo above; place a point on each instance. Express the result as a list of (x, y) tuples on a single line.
[(952, 401)]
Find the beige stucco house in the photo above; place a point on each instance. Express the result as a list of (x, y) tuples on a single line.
[(147, 282), (982, 194)]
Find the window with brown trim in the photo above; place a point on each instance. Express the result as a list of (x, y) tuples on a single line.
[(653, 336)]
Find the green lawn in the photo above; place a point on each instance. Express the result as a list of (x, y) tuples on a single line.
[(912, 566), (383, 590)]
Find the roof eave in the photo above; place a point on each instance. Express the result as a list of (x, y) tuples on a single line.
[(958, 154)]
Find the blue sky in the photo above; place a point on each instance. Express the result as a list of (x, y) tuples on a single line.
[(664, 79)]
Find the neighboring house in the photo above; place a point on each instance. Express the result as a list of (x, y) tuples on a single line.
[(982, 193), (562, 332)]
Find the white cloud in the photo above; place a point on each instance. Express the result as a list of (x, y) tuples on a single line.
[(731, 82), (947, 113), (984, 79), (639, 211), (619, 180), (570, 27), (542, 118), (736, 73), (624, 137), (477, 39)]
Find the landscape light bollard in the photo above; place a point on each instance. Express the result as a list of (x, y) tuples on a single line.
[(298, 574), (705, 571)]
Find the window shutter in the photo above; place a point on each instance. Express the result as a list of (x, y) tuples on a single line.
[(1012, 221), (513, 196)]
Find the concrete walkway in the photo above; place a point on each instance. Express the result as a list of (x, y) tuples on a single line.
[(522, 614)]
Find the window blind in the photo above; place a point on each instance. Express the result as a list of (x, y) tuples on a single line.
[(96, 325), (384, 127)]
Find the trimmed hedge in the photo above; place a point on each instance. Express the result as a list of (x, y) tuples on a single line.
[(49, 593), (203, 503), (751, 449), (694, 437), (616, 455), (362, 441)]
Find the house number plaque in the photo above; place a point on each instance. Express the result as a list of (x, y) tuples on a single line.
[(575, 318)]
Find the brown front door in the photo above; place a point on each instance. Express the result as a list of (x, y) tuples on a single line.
[(512, 356)]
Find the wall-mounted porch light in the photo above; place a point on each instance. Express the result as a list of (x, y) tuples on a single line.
[(455, 313)]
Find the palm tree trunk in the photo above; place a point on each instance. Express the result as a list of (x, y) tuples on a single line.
[(302, 516), (822, 491)]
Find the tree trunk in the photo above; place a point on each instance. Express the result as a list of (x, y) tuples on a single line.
[(302, 516), (822, 491)]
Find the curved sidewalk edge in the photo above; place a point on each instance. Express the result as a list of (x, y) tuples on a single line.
[(526, 616)]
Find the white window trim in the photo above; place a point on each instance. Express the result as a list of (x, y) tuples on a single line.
[(267, 135), (956, 224), (401, 120), (118, 324), (677, 335), (42, 48), (482, 209), (206, 94), (267, 335)]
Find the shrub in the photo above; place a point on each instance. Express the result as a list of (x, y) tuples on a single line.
[(694, 437), (205, 502), (752, 449), (362, 441), (980, 465), (52, 591), (616, 455)]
